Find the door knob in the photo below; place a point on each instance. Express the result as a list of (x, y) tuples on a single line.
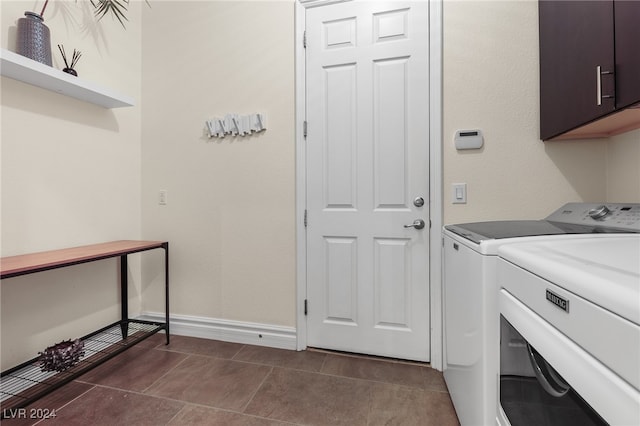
[(418, 224)]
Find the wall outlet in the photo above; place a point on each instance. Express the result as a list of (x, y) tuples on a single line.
[(162, 197), (459, 193)]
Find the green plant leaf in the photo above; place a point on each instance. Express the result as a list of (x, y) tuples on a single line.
[(117, 8)]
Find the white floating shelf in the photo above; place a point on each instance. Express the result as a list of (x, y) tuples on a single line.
[(32, 72)]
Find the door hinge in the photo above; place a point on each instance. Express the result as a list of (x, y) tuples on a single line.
[(304, 129), (305, 306), (304, 40), (305, 218)]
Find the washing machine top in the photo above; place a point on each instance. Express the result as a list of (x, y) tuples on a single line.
[(498, 230), (572, 218)]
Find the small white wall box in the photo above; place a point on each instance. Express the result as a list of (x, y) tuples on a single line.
[(468, 139)]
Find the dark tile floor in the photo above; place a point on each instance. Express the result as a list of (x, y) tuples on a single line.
[(206, 382)]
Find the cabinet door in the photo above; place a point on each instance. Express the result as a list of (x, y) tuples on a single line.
[(627, 33), (575, 38)]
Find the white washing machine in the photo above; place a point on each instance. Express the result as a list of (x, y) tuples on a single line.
[(572, 307), (471, 314)]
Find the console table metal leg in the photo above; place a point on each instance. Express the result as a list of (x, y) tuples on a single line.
[(166, 288), (124, 296)]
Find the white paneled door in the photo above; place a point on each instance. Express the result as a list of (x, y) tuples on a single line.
[(367, 171)]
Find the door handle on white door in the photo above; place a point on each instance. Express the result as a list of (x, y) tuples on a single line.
[(418, 224)]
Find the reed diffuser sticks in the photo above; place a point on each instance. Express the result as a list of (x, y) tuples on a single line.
[(74, 60)]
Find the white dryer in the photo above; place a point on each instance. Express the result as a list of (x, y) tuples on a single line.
[(573, 307), (471, 313)]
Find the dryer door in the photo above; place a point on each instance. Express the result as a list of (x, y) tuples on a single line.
[(597, 396)]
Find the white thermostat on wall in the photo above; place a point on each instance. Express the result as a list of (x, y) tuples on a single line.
[(468, 139)]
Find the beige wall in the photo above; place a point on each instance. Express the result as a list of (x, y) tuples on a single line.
[(491, 83), (623, 168), (70, 176), (230, 216)]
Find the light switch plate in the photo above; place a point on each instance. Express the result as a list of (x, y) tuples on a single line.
[(162, 197), (459, 193)]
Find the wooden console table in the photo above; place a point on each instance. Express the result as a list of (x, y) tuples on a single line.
[(25, 383)]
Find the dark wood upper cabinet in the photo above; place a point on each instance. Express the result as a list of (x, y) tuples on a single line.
[(589, 66), (627, 38)]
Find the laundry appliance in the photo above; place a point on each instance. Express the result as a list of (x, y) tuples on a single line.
[(572, 307), (471, 347)]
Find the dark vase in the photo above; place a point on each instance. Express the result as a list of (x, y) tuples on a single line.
[(33, 38)]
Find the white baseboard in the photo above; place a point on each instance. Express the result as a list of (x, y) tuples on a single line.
[(228, 331)]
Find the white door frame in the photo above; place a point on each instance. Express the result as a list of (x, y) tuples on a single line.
[(435, 175)]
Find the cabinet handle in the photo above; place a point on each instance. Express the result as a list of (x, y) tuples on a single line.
[(599, 95)]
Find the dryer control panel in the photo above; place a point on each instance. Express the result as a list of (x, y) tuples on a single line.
[(608, 215)]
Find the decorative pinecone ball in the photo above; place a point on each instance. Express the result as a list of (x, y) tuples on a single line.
[(61, 356)]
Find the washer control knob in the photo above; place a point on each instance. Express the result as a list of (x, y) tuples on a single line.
[(599, 212)]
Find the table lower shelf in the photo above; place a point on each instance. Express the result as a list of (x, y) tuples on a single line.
[(26, 383)]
